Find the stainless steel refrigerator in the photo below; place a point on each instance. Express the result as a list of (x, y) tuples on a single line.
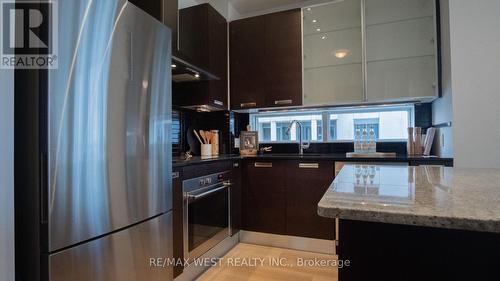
[(100, 208)]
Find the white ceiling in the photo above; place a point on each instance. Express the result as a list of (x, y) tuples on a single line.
[(236, 9), (253, 6)]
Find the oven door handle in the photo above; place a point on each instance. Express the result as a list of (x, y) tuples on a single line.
[(192, 198)]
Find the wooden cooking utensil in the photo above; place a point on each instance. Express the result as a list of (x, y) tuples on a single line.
[(197, 136), (209, 136), (203, 136)]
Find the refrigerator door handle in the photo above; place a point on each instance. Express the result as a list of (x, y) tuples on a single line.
[(130, 56)]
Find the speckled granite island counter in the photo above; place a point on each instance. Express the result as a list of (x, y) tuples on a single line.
[(433, 196), (398, 222)]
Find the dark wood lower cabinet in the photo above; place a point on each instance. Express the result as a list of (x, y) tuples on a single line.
[(263, 201), (281, 197), (306, 183)]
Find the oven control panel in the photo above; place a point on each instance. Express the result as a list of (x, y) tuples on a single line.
[(208, 180), (205, 181)]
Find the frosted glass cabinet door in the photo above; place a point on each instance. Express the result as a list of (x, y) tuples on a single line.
[(401, 79), (332, 42), (410, 38), (333, 85), (400, 49), (383, 11)]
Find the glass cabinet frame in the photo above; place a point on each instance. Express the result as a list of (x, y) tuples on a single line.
[(400, 79)]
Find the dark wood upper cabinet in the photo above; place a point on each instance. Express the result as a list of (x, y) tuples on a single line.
[(247, 63), (194, 34), (263, 200), (306, 183), (266, 60), (284, 59), (164, 11), (203, 42)]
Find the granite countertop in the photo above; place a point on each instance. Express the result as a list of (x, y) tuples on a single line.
[(443, 197), (181, 161)]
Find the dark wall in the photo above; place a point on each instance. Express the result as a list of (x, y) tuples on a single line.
[(338, 147), (184, 121), (423, 116)]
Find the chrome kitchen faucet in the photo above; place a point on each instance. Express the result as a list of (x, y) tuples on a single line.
[(302, 145)]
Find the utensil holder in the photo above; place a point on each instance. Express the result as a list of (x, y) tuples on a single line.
[(206, 150)]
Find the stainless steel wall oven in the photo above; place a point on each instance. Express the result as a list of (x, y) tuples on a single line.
[(206, 212)]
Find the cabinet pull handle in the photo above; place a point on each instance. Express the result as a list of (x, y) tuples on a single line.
[(263, 165), (309, 165), (175, 175), (248, 104), (281, 102)]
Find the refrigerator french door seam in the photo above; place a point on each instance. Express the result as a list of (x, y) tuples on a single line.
[(107, 234)]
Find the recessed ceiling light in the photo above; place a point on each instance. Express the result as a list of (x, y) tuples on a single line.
[(173, 65), (315, 21), (308, 9), (323, 37), (318, 29), (341, 53)]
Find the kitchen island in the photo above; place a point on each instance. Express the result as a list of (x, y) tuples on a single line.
[(399, 222)]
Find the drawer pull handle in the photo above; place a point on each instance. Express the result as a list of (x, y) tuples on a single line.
[(281, 102), (309, 165), (248, 104), (263, 165)]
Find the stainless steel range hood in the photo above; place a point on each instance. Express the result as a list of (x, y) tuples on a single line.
[(183, 71)]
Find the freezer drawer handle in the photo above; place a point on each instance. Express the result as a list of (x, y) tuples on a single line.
[(263, 165), (309, 165), (248, 104)]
